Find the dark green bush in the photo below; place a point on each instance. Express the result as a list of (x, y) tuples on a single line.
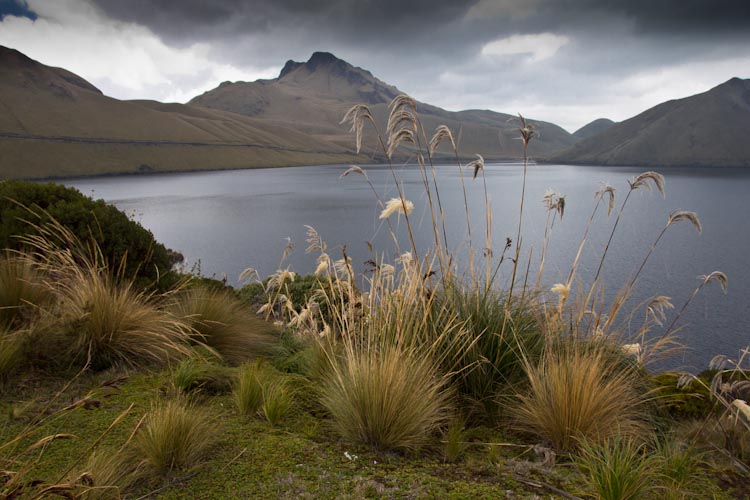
[(25, 204), (691, 402)]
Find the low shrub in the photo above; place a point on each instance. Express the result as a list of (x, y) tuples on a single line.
[(121, 240)]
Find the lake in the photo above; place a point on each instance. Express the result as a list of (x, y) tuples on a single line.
[(226, 221)]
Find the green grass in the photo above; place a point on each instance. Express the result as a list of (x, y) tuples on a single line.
[(302, 458), (617, 469), (176, 436)]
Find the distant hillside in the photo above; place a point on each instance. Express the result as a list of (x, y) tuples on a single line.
[(591, 129), (708, 129), (55, 124), (313, 96)]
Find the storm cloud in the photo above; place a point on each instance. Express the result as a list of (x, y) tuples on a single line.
[(565, 61)]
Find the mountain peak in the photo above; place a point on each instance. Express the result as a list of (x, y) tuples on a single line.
[(318, 58)]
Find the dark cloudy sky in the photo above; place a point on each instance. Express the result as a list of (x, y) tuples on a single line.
[(565, 61)]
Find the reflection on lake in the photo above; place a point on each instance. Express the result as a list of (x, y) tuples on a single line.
[(231, 220)]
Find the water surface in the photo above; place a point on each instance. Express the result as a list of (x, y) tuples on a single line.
[(226, 221)]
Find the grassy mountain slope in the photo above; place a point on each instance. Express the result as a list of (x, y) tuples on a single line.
[(54, 123), (708, 129), (591, 129), (313, 96)]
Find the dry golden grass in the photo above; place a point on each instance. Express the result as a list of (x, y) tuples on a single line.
[(225, 324), (576, 392)]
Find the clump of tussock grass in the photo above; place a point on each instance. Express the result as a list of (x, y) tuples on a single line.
[(107, 474), (22, 290), (248, 391), (221, 321), (616, 469), (259, 389), (94, 317), (199, 375), (106, 323), (681, 471), (390, 398), (175, 435), (277, 399), (575, 392), (499, 333), (11, 353)]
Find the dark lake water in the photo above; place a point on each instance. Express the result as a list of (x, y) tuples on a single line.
[(227, 221)]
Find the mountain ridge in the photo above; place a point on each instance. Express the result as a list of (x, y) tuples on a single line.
[(706, 129), (315, 94)]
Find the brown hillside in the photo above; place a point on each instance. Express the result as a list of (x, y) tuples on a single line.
[(708, 129)]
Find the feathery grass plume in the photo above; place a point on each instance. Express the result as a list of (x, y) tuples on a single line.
[(477, 165), (616, 469), (356, 116), (576, 392), (176, 435), (354, 169), (657, 307), (396, 205), (400, 136), (441, 133), (742, 408), (249, 273), (688, 216), (718, 276), (609, 192), (526, 129), (402, 101), (401, 118), (646, 179), (562, 290), (221, 321)]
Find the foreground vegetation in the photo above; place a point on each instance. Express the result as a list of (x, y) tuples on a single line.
[(414, 381)]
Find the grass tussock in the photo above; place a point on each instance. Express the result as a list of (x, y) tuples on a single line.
[(108, 323), (23, 290), (577, 393), (391, 398), (616, 469), (107, 475), (199, 375), (175, 436), (221, 321)]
